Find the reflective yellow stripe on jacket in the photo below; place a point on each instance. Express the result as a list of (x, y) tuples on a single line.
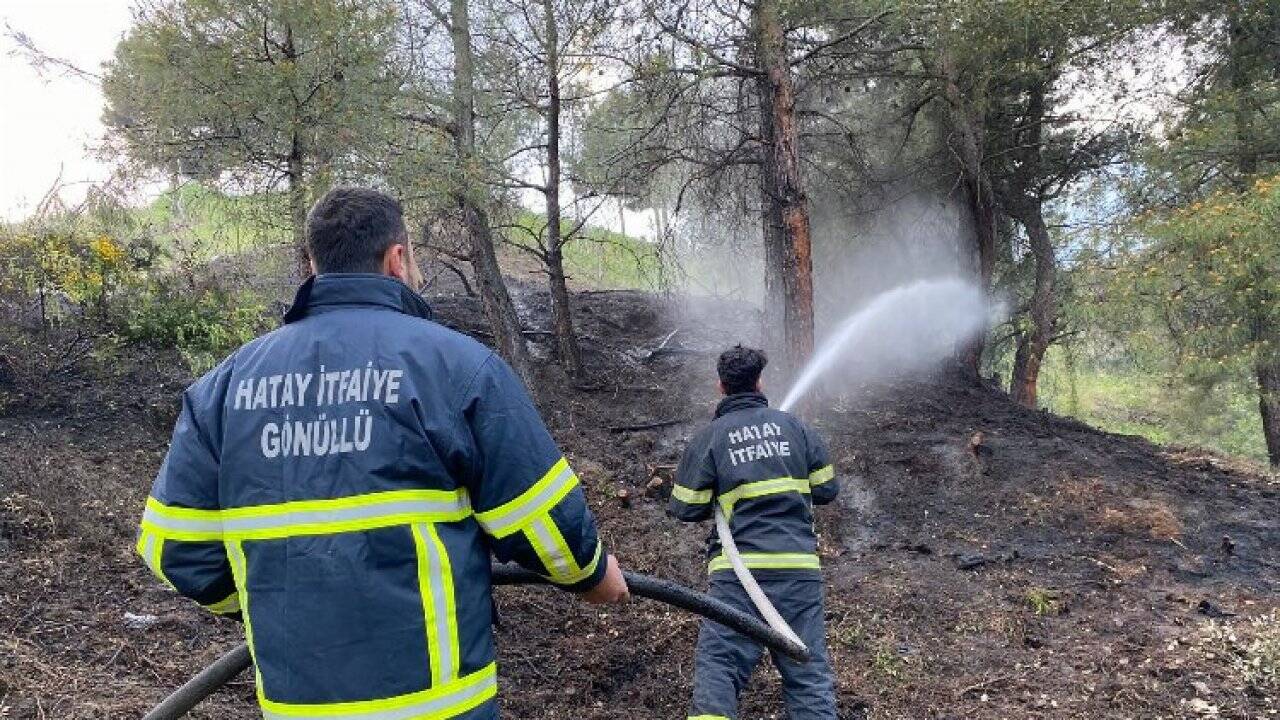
[(418, 509), (530, 513), (768, 561), (229, 604), (306, 517), (445, 701), (690, 497), (151, 547), (435, 580), (515, 515), (822, 475), (761, 488)]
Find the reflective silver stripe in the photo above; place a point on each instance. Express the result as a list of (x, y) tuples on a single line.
[(512, 516), (468, 695), (234, 526), (281, 520), (436, 592), (211, 526), (148, 551), (551, 548), (768, 561)]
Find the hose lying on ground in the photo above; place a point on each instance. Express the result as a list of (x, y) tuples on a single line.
[(234, 662)]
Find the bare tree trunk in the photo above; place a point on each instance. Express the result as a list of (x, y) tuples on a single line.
[(498, 307), (788, 256), (775, 262), (1266, 367), (1268, 376), (1034, 342), (298, 205), (966, 133), (983, 207), (297, 169), (561, 314), (1026, 203)]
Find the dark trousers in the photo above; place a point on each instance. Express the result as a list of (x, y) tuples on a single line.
[(726, 659)]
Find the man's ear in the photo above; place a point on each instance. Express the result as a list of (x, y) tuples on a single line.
[(720, 387), (395, 262)]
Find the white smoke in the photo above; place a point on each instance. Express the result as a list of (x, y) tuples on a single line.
[(905, 331)]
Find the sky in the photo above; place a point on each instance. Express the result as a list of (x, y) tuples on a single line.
[(48, 122)]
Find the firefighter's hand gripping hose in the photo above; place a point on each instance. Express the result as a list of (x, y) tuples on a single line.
[(237, 660), (758, 598)]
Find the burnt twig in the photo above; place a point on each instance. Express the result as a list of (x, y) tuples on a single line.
[(648, 426)]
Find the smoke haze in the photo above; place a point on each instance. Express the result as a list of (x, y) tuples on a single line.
[(903, 332)]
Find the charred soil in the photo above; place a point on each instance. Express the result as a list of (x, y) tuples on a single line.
[(984, 561)]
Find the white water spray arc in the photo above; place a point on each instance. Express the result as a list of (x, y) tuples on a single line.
[(909, 329), (905, 330)]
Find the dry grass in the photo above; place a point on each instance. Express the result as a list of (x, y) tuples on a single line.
[(1142, 518)]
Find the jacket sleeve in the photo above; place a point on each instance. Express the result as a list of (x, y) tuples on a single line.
[(523, 492), (694, 490), (180, 539), (823, 486)]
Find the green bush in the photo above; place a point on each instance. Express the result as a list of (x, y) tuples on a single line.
[(204, 324), (94, 279)]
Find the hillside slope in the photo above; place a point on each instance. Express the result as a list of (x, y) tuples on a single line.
[(985, 561)]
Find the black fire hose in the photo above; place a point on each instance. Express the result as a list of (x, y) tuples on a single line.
[(234, 662)]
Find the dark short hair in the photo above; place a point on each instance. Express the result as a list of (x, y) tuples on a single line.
[(350, 229), (739, 369)]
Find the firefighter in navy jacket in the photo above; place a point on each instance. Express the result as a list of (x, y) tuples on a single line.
[(766, 470), (339, 484)]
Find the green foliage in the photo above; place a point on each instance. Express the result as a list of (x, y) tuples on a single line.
[(200, 222), (1216, 269), (204, 324), (1221, 132), (100, 279), (888, 663), (250, 94), (1043, 602), (1192, 311), (80, 269), (68, 263), (609, 260), (614, 153)]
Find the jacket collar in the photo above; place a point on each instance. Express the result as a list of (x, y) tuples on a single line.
[(741, 401), (330, 289)]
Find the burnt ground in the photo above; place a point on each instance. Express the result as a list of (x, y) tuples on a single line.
[(984, 561)]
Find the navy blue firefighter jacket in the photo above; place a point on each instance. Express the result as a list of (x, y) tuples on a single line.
[(766, 469), (340, 482)]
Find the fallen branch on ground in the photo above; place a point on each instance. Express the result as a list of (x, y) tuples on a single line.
[(648, 426)]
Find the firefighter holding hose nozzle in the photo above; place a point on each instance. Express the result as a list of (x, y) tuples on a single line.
[(340, 482), (765, 469)]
